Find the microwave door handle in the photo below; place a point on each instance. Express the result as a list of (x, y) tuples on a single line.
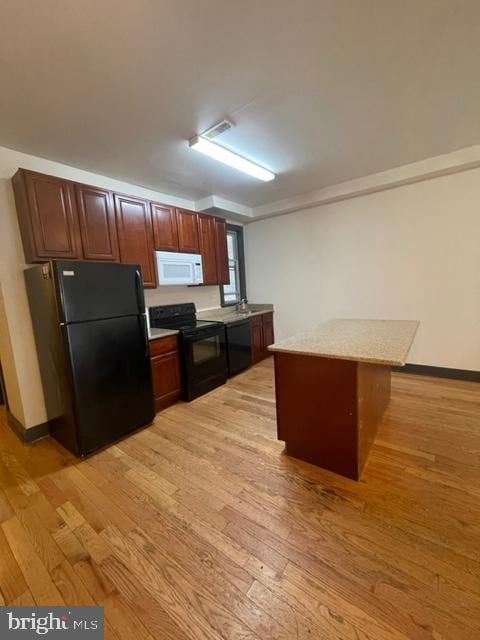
[(197, 275)]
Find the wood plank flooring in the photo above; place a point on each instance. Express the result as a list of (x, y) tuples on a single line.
[(200, 528)]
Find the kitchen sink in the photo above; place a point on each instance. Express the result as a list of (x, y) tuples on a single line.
[(248, 311)]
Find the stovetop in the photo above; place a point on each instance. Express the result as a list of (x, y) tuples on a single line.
[(178, 316), (187, 325)]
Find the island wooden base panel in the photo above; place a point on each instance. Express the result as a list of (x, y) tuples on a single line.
[(328, 410), (373, 397), (200, 528)]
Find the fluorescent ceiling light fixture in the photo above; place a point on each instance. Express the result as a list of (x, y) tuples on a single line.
[(228, 157)]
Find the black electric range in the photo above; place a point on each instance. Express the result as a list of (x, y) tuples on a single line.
[(202, 347)]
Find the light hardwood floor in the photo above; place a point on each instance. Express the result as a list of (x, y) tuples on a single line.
[(199, 527)]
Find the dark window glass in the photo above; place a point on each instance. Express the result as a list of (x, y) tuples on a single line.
[(206, 349)]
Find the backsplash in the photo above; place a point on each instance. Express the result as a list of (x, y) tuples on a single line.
[(203, 297)]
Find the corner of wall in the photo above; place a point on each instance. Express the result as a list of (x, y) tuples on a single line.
[(7, 359)]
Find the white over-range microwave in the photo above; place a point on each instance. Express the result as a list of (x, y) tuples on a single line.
[(179, 268)]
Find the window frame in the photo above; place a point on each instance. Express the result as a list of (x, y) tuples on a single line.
[(238, 230)]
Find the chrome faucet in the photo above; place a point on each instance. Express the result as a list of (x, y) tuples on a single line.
[(242, 305)]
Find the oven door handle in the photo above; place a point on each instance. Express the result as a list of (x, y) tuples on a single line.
[(200, 335)]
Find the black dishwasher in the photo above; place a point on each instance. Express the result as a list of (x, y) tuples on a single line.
[(239, 352)]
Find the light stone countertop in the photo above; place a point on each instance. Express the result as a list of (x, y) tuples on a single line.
[(161, 333), (377, 341), (220, 314), (229, 315)]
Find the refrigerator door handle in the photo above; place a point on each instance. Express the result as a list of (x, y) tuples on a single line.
[(138, 290), (145, 332)]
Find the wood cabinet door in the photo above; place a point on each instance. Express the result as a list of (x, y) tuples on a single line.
[(187, 225), (206, 227), (166, 379), (135, 235), (98, 228), (256, 338), (165, 231), (223, 273), (47, 216), (268, 335)]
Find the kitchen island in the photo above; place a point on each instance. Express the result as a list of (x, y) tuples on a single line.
[(333, 386)]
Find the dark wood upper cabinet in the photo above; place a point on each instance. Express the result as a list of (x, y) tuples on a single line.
[(47, 216), (223, 273), (98, 229), (187, 224), (135, 235), (206, 227), (165, 231), (62, 219)]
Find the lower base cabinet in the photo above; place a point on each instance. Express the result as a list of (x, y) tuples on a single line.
[(165, 359), (261, 335), (167, 381)]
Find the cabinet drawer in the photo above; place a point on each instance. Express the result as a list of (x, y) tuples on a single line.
[(163, 345)]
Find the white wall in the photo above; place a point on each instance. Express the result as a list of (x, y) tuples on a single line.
[(412, 252), (17, 346)]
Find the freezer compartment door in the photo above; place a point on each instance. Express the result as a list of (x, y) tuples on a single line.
[(111, 379), (96, 290)]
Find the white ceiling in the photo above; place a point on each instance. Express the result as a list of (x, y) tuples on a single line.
[(322, 91)]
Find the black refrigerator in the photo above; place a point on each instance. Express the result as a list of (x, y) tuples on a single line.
[(92, 343)]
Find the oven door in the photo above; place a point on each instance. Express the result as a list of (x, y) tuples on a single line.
[(204, 360)]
